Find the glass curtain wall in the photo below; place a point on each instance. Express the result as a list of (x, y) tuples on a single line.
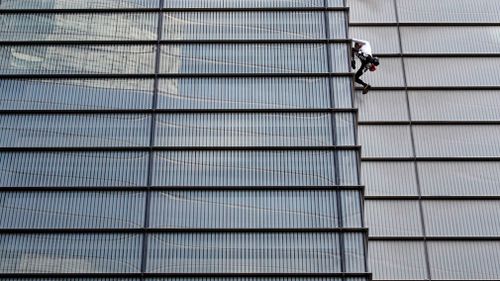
[(165, 139)]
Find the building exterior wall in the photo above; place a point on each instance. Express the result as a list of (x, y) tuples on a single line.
[(210, 140), (430, 138)]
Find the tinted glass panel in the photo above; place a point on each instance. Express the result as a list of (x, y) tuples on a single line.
[(71, 209), (253, 92), (371, 11), (252, 25), (76, 94), (244, 209), (382, 106), (82, 130), (77, 4), (77, 59), (243, 3), (382, 39), (70, 253), (244, 252), (73, 168), (385, 140), (84, 26), (250, 168), (250, 58), (389, 178), (393, 218)]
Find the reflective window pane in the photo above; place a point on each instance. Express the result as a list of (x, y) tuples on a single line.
[(393, 218), (243, 3), (252, 25), (245, 93), (382, 106), (247, 168), (250, 58), (385, 140), (70, 253), (245, 209), (71, 209), (77, 59), (74, 130), (389, 178), (397, 260), (73, 26), (73, 168), (76, 94), (261, 129), (371, 11), (244, 252), (383, 39)]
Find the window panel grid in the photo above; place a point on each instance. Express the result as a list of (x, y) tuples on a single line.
[(244, 3), (78, 4)]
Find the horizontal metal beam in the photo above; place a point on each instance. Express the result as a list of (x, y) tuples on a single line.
[(426, 24), (433, 122), (431, 197), (433, 88), (432, 159), (167, 10), (180, 148), (179, 230), (359, 188), (185, 275), (171, 42), (176, 75), (434, 238), (180, 111), (439, 55)]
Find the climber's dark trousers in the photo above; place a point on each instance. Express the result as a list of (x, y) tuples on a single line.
[(360, 72)]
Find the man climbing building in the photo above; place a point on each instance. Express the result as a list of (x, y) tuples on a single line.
[(363, 51)]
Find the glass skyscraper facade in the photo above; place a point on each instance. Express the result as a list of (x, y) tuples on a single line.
[(429, 134), (179, 140)]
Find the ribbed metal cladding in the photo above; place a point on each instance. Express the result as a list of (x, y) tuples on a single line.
[(247, 252), (280, 129), (457, 140), (466, 260), (393, 218), (459, 178), (462, 218), (473, 105), (244, 3), (252, 25), (373, 11), (244, 209), (472, 39), (388, 74), (45, 94), (448, 11), (46, 209), (250, 58), (73, 169), (389, 178), (382, 106), (69, 253), (397, 260), (80, 59), (473, 71), (199, 279), (77, 4), (388, 141), (383, 39), (74, 26), (247, 168), (74, 130)]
